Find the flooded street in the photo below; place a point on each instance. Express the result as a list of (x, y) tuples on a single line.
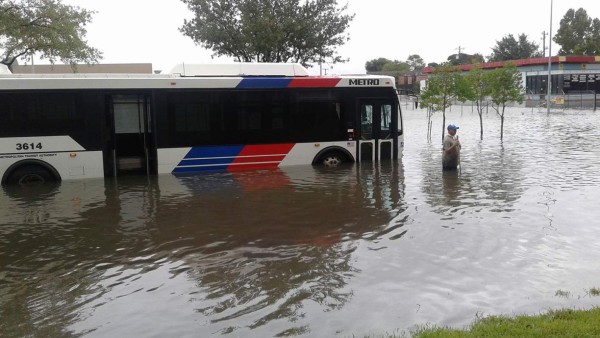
[(316, 253)]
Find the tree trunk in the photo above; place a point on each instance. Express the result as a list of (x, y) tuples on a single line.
[(480, 113), (428, 124), (502, 124), (443, 124)]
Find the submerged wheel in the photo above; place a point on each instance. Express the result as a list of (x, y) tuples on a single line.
[(333, 160), (31, 175)]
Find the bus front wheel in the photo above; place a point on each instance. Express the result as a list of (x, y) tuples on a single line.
[(332, 160), (30, 175)]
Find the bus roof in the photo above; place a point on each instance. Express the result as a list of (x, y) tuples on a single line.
[(240, 69), (239, 75)]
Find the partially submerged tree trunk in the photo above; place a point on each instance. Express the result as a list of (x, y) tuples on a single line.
[(480, 113), (480, 126), (429, 124), (502, 123), (443, 124)]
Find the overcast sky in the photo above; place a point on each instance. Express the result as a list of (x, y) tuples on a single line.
[(146, 31)]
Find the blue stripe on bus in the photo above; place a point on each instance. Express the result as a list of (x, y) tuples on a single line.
[(264, 82), (208, 159), (181, 170), (210, 152)]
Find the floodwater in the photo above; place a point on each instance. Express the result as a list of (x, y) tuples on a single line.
[(316, 253)]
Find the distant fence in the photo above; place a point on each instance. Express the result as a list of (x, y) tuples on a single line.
[(579, 100), (409, 102)]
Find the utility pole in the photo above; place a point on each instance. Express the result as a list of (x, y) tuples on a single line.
[(549, 61), (544, 43), (458, 56)]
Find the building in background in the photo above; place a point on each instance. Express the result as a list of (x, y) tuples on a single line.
[(406, 83), (574, 80), (126, 68)]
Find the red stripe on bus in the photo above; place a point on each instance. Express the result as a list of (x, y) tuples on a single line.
[(314, 82), (252, 159), (267, 149), (252, 166), (263, 156)]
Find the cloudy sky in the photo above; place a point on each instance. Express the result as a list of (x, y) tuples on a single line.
[(146, 31)]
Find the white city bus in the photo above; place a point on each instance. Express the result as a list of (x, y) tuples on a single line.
[(198, 118)]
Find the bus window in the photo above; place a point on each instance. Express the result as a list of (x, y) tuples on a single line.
[(40, 114), (192, 117), (317, 121), (386, 121), (366, 118), (249, 118), (128, 116)]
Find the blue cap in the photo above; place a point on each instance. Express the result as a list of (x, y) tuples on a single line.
[(452, 127)]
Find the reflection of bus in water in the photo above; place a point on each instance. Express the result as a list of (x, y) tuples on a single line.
[(295, 204), (209, 118), (276, 237), (273, 200)]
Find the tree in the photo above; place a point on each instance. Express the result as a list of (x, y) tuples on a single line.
[(505, 86), (396, 66), (476, 90), (386, 65), (376, 65), (578, 34), (415, 62), (510, 49), (269, 30), (47, 28), (443, 86), (465, 59)]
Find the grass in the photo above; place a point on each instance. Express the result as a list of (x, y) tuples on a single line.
[(560, 323), (555, 323)]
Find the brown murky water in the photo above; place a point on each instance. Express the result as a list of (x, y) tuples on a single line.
[(316, 253)]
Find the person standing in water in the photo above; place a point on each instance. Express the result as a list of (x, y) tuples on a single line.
[(451, 152)]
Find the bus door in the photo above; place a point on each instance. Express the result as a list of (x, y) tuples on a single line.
[(132, 151), (376, 126)]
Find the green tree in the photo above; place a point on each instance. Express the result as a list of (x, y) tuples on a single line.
[(505, 87), (465, 59), (477, 89), (306, 32), (510, 48), (396, 66), (47, 28), (442, 88), (415, 62), (386, 65), (578, 34), (594, 38), (376, 65)]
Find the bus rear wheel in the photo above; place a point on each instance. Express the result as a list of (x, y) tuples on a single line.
[(30, 175)]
